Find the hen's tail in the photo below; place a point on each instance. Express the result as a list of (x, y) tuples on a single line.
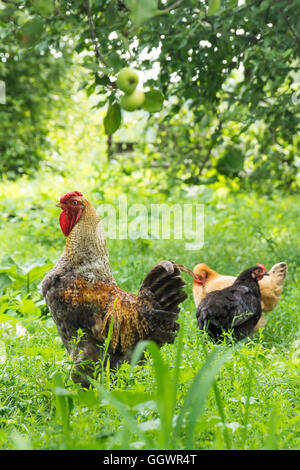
[(278, 272), (271, 286), (163, 288)]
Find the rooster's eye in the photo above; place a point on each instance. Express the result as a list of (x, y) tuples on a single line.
[(74, 202)]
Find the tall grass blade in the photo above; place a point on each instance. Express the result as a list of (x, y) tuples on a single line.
[(198, 392), (163, 393), (63, 401), (220, 407), (166, 385), (20, 442), (129, 421), (137, 354), (271, 439), (178, 358), (247, 401), (107, 340), (105, 369), (222, 414), (64, 405)]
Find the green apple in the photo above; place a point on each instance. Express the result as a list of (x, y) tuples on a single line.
[(133, 101), (127, 80)]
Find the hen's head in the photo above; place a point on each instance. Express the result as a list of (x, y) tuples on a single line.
[(72, 205), (259, 272), (256, 272), (203, 272)]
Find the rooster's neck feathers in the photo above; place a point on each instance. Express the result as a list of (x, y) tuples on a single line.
[(86, 247)]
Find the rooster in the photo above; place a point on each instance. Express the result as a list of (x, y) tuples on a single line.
[(82, 295), (207, 280), (237, 307)]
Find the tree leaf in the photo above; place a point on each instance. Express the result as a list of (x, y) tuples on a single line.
[(32, 266), (153, 101), (112, 119), (31, 31), (87, 397), (232, 162), (94, 66), (43, 7), (28, 307), (5, 281), (141, 11), (7, 318), (213, 7), (132, 397), (111, 13), (114, 61)]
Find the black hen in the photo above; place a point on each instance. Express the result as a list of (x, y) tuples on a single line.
[(236, 308)]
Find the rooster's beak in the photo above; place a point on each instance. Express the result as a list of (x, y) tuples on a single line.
[(266, 274), (59, 205)]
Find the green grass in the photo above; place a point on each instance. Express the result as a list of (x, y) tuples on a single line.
[(192, 394)]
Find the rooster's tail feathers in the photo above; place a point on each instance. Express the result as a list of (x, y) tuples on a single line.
[(165, 283)]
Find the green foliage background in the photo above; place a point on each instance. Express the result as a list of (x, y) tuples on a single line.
[(233, 66)]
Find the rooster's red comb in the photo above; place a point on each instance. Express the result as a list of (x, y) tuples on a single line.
[(262, 267), (67, 196)]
